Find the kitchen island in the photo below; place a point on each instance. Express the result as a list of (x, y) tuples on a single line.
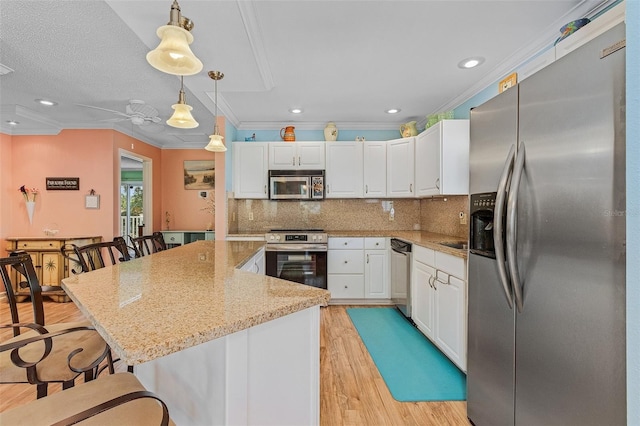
[(218, 345)]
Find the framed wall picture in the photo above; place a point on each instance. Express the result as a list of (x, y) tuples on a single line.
[(199, 174), (92, 201)]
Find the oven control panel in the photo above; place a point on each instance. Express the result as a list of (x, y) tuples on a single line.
[(309, 237)]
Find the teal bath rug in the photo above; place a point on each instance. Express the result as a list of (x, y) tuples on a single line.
[(411, 366)]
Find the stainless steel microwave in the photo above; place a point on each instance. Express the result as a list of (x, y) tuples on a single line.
[(296, 184)]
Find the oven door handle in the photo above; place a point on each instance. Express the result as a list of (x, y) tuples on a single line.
[(296, 247)]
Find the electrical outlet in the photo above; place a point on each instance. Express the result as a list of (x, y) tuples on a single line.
[(392, 214), (463, 218), (250, 215)]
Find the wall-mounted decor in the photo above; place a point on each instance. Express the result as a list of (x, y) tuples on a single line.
[(199, 174), (92, 201), (63, 183)]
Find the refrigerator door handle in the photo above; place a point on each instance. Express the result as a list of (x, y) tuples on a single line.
[(497, 225), (512, 231)]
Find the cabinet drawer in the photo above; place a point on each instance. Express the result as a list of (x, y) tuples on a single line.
[(375, 243), (424, 255), (345, 262), (346, 286), (346, 243), (451, 264), (39, 245), (173, 237)]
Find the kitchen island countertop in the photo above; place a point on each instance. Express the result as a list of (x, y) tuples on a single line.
[(156, 305)]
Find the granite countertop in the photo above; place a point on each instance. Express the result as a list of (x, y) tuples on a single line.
[(422, 238), (156, 305)]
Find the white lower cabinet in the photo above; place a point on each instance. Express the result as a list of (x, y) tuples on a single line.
[(439, 301), (358, 268), (255, 264), (376, 269)]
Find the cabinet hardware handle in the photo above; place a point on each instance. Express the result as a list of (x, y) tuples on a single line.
[(293, 161), (438, 183), (345, 243), (366, 189), (346, 261), (367, 258), (346, 286), (265, 189), (410, 187), (328, 189), (299, 161)]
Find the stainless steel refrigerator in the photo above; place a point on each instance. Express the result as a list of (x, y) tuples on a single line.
[(546, 342)]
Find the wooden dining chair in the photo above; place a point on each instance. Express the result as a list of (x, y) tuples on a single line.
[(98, 255), (81, 351), (109, 400), (148, 244)]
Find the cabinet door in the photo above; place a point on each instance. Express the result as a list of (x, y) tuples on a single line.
[(51, 268), (375, 169), (400, 167), (283, 156), (376, 274), (423, 298), (259, 263), (311, 155), (250, 173), (451, 318), (428, 162), (344, 170)]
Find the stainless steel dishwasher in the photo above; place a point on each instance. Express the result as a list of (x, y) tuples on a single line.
[(401, 275)]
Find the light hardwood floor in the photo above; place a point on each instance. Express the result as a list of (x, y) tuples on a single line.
[(351, 388)]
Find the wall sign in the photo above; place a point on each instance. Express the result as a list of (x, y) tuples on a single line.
[(63, 183)]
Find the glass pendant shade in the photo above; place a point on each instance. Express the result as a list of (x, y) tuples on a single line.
[(173, 55), (182, 117), (215, 144)]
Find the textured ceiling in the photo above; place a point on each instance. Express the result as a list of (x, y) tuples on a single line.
[(341, 61)]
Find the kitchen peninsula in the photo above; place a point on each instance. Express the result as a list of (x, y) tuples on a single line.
[(218, 345)]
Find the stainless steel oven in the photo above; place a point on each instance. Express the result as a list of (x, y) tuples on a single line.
[(297, 255)]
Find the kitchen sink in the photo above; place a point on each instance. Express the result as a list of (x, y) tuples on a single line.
[(460, 245)]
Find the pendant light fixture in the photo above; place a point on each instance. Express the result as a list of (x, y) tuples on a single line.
[(215, 142), (173, 54), (182, 117)]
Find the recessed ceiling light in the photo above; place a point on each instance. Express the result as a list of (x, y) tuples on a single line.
[(46, 102), (393, 111), (471, 62), (295, 110), (13, 122)]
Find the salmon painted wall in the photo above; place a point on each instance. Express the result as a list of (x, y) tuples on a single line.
[(92, 156), (71, 153), (184, 206), (5, 190)]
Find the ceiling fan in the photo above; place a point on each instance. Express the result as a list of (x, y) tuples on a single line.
[(138, 112)]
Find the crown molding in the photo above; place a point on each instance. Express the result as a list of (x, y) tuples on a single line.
[(538, 46)]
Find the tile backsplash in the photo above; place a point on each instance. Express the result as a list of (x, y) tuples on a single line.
[(433, 215)]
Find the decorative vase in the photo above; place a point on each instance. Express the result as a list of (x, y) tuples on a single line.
[(330, 132), (409, 129), (31, 205), (287, 134)]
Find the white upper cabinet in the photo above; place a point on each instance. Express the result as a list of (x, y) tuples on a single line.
[(344, 170), (400, 168), (442, 159), (250, 174), (296, 155), (375, 169)]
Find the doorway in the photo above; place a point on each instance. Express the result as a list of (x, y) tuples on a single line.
[(135, 196)]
